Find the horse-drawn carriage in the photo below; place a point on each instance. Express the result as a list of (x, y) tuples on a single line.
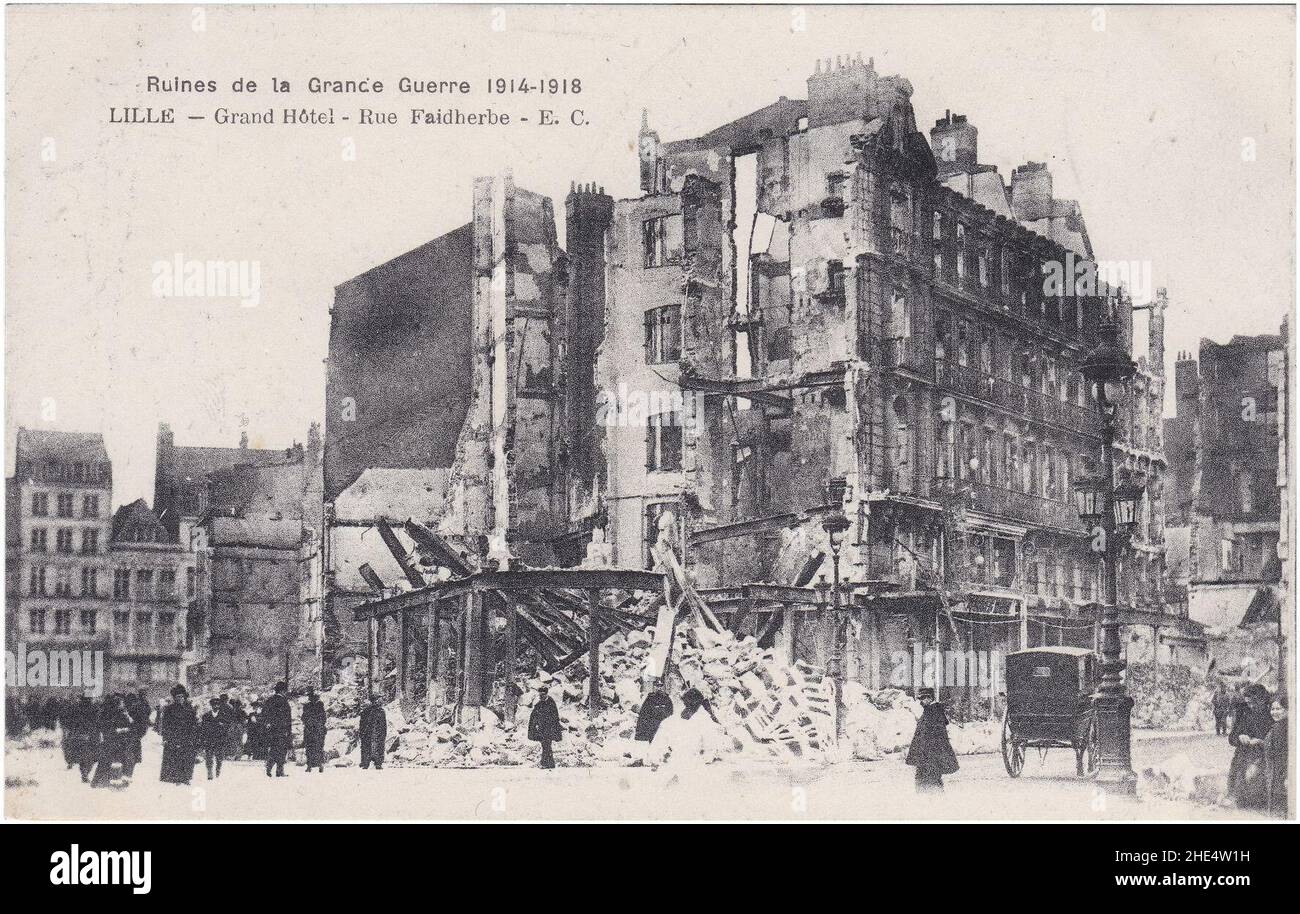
[(1050, 706)]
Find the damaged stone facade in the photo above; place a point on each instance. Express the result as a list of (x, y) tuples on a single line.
[(857, 317), (806, 311), (1226, 462)]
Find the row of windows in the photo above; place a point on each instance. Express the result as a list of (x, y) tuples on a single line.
[(63, 540), (65, 502), (37, 620), (965, 343), (1018, 278), (973, 452), (44, 582)]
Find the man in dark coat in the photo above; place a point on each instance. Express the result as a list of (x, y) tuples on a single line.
[(1221, 704), (655, 709), (235, 717), (212, 738), (313, 731), (114, 744), (177, 724), (277, 717), (256, 745), (931, 752), (544, 724), (373, 732), (1246, 787), (77, 722), (137, 706)]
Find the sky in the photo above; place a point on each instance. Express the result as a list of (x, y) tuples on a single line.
[(1174, 127)]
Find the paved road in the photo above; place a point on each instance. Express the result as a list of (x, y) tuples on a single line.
[(38, 786)]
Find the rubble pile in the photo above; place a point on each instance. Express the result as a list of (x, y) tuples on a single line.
[(766, 708), (1179, 778), (1168, 697)]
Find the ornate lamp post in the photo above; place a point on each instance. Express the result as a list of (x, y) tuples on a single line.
[(1108, 368), (836, 525)]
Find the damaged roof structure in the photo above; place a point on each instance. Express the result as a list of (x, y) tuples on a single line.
[(811, 311)]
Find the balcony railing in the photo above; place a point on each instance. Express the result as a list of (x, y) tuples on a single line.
[(1032, 404), (1011, 503)]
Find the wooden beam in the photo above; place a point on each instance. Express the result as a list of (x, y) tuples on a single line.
[(399, 553), (593, 653)]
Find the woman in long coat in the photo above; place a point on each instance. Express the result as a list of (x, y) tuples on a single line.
[(372, 729), (1246, 786), (544, 725), (313, 731), (931, 752), (178, 725), (1275, 753)]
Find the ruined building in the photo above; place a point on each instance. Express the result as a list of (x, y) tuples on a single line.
[(1227, 457), (810, 310), (250, 519)]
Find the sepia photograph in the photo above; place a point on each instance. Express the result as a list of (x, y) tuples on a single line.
[(649, 413)]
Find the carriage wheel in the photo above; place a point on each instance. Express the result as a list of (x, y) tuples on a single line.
[(1013, 753)]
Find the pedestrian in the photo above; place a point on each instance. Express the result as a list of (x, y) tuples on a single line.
[(137, 706), (212, 738), (75, 723), (372, 729), (655, 709), (544, 725), (235, 731), (1275, 753), (114, 743), (177, 724), (313, 731), (1221, 704), (277, 717), (1251, 723), (256, 733), (930, 751)]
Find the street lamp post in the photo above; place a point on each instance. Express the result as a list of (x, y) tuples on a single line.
[(1108, 367), (836, 525)]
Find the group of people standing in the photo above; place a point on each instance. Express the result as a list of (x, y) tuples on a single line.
[(225, 732), (98, 735), (1255, 721)]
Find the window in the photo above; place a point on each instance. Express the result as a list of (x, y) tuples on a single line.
[(986, 351), (122, 584), (988, 458), (65, 504), (1004, 562), (89, 621), (937, 231), (36, 582), (63, 582), (663, 334), (90, 582), (942, 333), (63, 622), (903, 469), (143, 629), (661, 241), (963, 343), (144, 584), (984, 269), (835, 275), (947, 448), (167, 584), (663, 443), (89, 542), (40, 504), (38, 540), (189, 583), (36, 621), (966, 443), (1004, 270), (166, 630), (654, 512), (90, 506), (961, 251), (63, 541)]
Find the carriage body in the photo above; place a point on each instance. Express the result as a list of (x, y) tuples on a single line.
[(1050, 705)]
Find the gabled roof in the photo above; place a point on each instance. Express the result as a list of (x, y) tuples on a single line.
[(136, 523)]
